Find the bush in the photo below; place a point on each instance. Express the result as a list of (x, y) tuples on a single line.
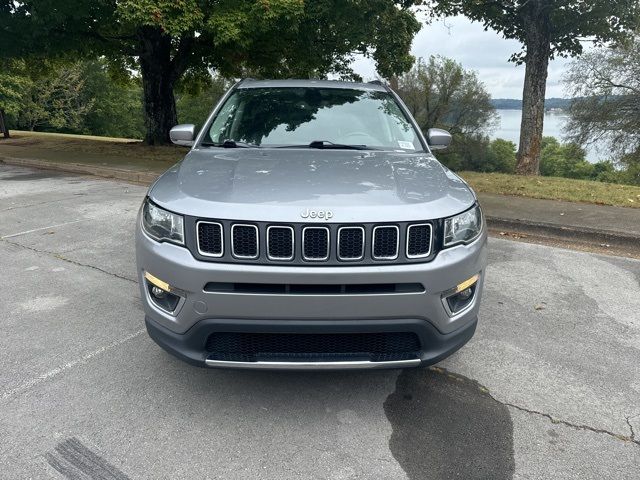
[(476, 153), (564, 160)]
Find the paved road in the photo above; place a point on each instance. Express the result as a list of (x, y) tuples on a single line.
[(548, 388)]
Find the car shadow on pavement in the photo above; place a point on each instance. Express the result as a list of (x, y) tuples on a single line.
[(448, 426)]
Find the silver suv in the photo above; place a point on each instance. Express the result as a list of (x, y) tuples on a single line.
[(310, 226)]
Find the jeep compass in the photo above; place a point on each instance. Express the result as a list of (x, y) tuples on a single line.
[(310, 226)]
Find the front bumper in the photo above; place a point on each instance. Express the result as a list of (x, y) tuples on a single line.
[(190, 345), (200, 313)]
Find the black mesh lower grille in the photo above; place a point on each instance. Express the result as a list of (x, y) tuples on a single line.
[(280, 241), (251, 347), (419, 242), (210, 238), (351, 243), (385, 242), (245, 241), (315, 243)]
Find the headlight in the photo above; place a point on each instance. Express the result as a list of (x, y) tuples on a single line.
[(463, 228), (162, 225)]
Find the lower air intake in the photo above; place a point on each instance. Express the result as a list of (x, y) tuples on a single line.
[(254, 347)]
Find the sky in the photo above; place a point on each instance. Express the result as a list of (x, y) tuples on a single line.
[(485, 52)]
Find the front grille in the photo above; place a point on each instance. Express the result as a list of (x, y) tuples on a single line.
[(350, 243), (210, 239), (280, 243), (419, 240), (385, 242), (252, 347), (244, 241), (299, 244), (315, 243)]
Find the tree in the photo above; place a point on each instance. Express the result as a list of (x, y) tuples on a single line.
[(166, 39), (115, 102), (12, 85), (441, 93), (55, 99), (606, 111), (546, 28)]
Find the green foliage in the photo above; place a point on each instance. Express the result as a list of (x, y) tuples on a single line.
[(546, 29), (54, 99), (478, 154), (563, 160), (605, 112), (440, 93), (13, 85), (195, 103), (501, 156), (168, 39), (566, 22), (116, 109)]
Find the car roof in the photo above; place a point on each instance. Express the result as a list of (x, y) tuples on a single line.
[(250, 83)]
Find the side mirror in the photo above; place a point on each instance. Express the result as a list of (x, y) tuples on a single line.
[(183, 134), (438, 139)]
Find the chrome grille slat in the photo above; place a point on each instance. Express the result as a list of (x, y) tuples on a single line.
[(280, 242), (419, 239), (315, 243), (386, 242), (351, 242), (209, 239), (245, 241)]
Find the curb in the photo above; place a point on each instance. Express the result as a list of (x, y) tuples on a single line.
[(143, 178), (540, 229), (561, 232)]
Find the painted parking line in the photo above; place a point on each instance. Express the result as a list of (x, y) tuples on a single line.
[(62, 368), (44, 228)]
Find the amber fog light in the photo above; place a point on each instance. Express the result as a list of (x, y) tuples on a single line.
[(163, 295), (460, 297)]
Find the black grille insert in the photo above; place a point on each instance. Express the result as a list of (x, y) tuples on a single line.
[(244, 241), (315, 243), (419, 241), (252, 347), (280, 243), (385, 242), (313, 289), (351, 243), (210, 239)]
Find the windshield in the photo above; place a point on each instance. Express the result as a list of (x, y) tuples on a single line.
[(312, 117)]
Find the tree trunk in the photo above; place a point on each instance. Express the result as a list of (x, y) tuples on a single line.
[(538, 45), (3, 124), (158, 80)]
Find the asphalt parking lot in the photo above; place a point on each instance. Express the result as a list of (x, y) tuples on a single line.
[(548, 388)]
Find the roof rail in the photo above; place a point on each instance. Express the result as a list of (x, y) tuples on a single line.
[(377, 82)]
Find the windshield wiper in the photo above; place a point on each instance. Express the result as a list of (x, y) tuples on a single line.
[(327, 145), (229, 144)]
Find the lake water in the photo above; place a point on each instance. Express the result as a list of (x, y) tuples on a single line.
[(509, 128)]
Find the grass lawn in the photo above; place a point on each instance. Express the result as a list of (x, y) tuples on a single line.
[(104, 151), (555, 188), (134, 155)]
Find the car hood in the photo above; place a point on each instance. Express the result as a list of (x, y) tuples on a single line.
[(282, 184)]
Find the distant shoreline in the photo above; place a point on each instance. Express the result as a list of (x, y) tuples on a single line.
[(515, 104)]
